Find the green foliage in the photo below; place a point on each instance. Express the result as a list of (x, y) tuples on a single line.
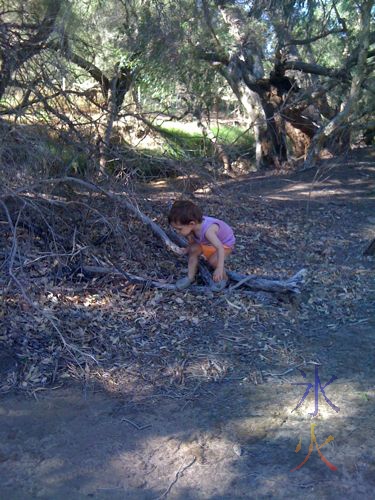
[(67, 159), (186, 140), (184, 143), (163, 43)]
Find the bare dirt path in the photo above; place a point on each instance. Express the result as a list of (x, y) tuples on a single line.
[(233, 434)]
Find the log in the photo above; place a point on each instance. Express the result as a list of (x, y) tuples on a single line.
[(255, 284), (266, 284), (91, 271)]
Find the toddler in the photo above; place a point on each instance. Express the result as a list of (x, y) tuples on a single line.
[(206, 236)]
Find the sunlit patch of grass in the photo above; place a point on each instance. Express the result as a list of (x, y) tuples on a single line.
[(238, 139), (188, 140), (184, 140)]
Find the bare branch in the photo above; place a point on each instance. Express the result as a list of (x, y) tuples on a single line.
[(83, 63), (306, 41), (316, 69)]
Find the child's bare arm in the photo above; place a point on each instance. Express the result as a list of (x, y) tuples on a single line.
[(185, 250)]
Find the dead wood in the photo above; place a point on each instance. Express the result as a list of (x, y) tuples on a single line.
[(118, 198), (370, 250), (292, 285), (265, 284), (248, 282)]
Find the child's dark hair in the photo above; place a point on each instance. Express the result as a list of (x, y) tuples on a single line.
[(184, 212)]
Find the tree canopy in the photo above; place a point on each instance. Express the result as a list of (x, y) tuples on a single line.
[(301, 72)]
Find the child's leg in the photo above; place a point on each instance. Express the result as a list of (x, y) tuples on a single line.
[(195, 251), (212, 260)]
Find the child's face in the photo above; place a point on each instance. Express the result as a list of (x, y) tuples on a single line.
[(184, 229)]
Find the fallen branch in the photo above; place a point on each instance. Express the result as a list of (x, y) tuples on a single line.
[(156, 229), (256, 284), (265, 284)]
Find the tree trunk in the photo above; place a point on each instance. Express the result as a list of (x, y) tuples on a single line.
[(118, 88), (241, 71), (218, 148), (263, 99), (251, 103), (336, 127)]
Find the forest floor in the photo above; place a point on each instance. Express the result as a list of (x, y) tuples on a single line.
[(211, 416)]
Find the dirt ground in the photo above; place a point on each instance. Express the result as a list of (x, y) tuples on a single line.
[(230, 430)]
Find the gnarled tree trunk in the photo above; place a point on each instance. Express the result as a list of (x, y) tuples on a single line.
[(263, 99)]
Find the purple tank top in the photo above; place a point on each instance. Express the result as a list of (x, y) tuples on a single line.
[(225, 233)]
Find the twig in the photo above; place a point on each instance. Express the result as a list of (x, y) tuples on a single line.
[(291, 369), (240, 283), (178, 473), (286, 371), (68, 347), (233, 305), (138, 427)]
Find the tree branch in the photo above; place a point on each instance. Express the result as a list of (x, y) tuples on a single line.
[(93, 70), (211, 56), (340, 74), (316, 69), (306, 41)]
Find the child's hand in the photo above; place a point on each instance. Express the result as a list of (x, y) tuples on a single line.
[(183, 251), (218, 274)]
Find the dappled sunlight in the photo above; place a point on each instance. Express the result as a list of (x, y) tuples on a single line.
[(322, 191), (106, 444)]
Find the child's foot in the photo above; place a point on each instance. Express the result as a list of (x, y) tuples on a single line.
[(183, 283), (219, 286)]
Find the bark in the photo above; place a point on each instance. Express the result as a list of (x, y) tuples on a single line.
[(342, 73), (242, 69), (95, 72), (252, 105), (119, 86), (268, 102), (267, 284), (316, 69), (305, 41)]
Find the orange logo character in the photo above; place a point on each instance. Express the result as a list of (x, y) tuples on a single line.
[(313, 440)]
